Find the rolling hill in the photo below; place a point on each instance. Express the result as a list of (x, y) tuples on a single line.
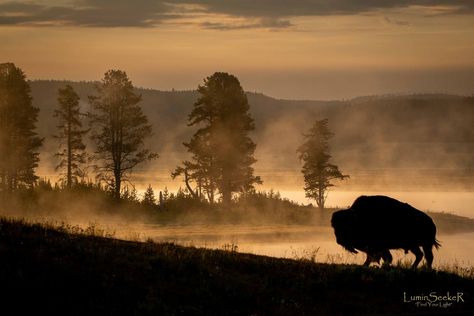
[(397, 140)]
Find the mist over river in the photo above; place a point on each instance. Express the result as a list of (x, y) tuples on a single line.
[(454, 202), (304, 241), (315, 242), (287, 241), (459, 203)]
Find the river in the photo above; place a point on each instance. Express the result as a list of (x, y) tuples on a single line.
[(288, 241), (459, 203)]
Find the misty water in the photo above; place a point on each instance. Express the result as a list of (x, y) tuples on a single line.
[(316, 242), (459, 203), (287, 241)]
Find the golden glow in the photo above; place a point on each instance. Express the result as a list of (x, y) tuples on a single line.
[(179, 53)]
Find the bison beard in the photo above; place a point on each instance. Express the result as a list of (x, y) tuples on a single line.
[(376, 224)]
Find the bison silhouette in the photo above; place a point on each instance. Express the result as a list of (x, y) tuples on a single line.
[(376, 224)]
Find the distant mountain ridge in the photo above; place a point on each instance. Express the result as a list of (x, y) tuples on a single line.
[(421, 132)]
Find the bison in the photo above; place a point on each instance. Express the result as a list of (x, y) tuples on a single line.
[(376, 224)]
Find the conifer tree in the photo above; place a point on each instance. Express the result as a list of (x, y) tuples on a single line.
[(72, 154), (222, 151), (19, 142), (129, 194), (317, 170), (119, 129), (149, 197), (165, 195)]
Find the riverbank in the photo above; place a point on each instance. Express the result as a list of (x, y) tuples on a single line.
[(59, 271)]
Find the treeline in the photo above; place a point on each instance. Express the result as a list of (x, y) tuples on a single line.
[(423, 142), (19, 141), (220, 168), (117, 126)]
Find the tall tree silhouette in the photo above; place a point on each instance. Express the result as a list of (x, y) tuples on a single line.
[(19, 141), (70, 132), (119, 129), (222, 152), (149, 197), (317, 170)]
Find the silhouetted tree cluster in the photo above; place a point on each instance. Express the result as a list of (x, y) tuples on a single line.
[(19, 142), (118, 126), (222, 152)]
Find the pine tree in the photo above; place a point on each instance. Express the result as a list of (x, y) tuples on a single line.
[(149, 197), (222, 152), (129, 195), (19, 142), (317, 170), (119, 129), (166, 194), (70, 132)]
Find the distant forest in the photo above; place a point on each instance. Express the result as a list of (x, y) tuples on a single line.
[(400, 140)]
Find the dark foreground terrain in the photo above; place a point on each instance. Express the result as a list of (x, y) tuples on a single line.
[(46, 270)]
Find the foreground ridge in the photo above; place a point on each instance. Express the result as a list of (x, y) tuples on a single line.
[(49, 269)]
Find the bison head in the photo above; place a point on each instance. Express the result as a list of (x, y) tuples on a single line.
[(344, 223)]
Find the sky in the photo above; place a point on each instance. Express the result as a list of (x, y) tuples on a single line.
[(292, 49)]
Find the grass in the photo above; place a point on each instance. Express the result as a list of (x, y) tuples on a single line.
[(73, 271)]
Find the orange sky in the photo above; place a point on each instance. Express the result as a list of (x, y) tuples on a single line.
[(312, 52)]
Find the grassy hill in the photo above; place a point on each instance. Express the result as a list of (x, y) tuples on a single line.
[(49, 270)]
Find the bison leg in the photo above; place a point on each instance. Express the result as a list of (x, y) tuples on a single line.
[(428, 255), (418, 254), (372, 256), (375, 256), (387, 257), (368, 260)]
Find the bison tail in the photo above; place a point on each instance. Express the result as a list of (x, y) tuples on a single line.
[(436, 243)]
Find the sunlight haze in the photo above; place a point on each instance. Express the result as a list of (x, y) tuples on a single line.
[(306, 53)]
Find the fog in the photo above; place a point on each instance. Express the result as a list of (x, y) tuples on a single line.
[(392, 142), (309, 242), (415, 148)]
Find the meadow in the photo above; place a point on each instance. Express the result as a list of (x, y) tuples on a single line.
[(81, 271)]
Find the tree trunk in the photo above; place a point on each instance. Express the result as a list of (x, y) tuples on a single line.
[(118, 183), (161, 198), (210, 194), (320, 201), (226, 198), (199, 188), (186, 180), (69, 149), (226, 191)]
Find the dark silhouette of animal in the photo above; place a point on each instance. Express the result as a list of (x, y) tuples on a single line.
[(373, 256), (376, 224)]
